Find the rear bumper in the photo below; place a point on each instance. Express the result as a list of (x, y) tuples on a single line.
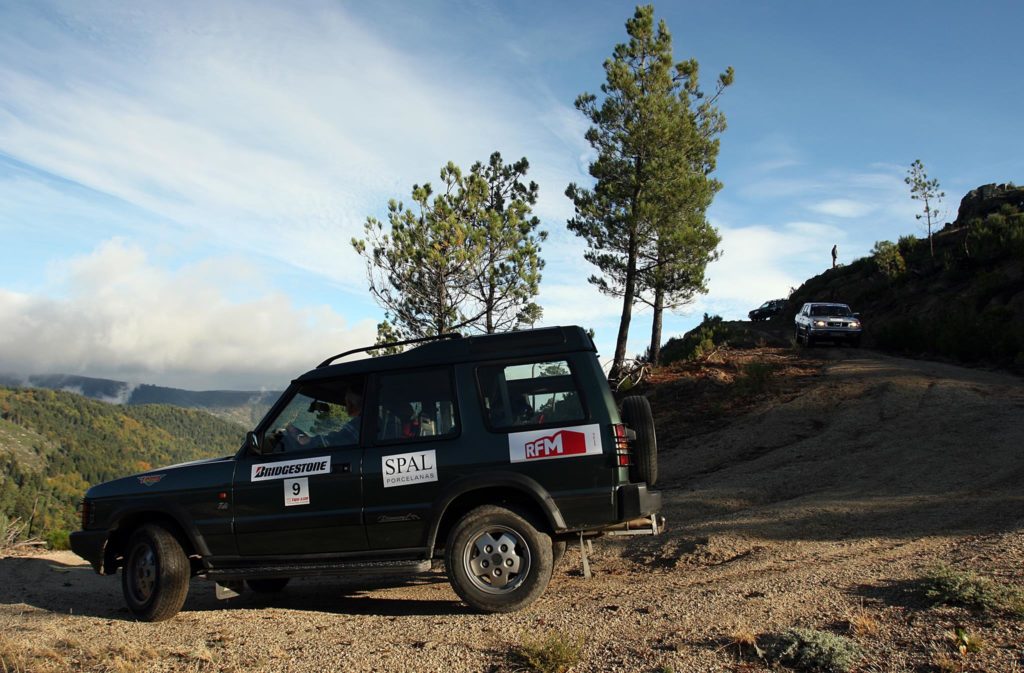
[(90, 544), (636, 501)]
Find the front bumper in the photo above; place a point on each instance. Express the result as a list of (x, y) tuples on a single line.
[(837, 333), (90, 545)]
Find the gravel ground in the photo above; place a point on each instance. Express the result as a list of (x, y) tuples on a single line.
[(819, 506)]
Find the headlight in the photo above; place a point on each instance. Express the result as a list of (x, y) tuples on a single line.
[(819, 323), (855, 324)]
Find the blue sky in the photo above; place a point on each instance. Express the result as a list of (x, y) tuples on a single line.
[(179, 182)]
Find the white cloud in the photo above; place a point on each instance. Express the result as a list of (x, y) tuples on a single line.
[(847, 208), (268, 129), (120, 316)]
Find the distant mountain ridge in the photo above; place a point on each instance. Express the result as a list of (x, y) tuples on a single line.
[(239, 406)]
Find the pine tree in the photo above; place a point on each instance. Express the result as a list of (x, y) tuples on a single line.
[(509, 273), (923, 189), (467, 258), (655, 151)]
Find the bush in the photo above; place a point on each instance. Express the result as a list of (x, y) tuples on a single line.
[(812, 650), (697, 343), (888, 259), (58, 540), (756, 377), (998, 236), (945, 585), (553, 653)]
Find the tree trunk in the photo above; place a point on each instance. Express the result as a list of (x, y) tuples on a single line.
[(659, 309), (628, 295)]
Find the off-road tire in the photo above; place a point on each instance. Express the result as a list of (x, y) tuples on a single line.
[(796, 336), (268, 586), (636, 413), (492, 527), (155, 575), (558, 548)]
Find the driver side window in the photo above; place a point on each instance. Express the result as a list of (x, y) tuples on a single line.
[(320, 415)]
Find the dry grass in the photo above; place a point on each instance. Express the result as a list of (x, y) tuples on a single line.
[(863, 624), (744, 642), (69, 655)]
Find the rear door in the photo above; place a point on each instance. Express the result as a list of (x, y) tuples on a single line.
[(412, 451)]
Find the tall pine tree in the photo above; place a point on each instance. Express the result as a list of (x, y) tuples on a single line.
[(655, 150)]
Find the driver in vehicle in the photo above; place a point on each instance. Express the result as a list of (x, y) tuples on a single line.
[(293, 438)]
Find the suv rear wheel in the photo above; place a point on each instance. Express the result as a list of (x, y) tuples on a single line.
[(636, 413), (498, 560), (155, 574)]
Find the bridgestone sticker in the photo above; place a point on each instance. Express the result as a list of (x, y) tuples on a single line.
[(406, 469), (574, 442), (296, 491), (291, 468)]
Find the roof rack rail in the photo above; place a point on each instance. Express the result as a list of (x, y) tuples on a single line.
[(388, 345)]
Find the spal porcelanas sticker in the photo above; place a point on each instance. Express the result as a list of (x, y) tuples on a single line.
[(291, 468), (579, 440), (405, 469)]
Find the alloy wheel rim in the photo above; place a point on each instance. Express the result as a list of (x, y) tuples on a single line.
[(142, 569), (497, 560)]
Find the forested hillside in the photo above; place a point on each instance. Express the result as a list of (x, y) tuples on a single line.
[(54, 445)]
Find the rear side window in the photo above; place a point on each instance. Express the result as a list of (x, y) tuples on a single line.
[(416, 405), (529, 394)]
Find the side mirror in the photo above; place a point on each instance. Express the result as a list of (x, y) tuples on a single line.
[(857, 316), (252, 443)]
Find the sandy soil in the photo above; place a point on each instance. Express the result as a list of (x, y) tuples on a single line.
[(818, 505)]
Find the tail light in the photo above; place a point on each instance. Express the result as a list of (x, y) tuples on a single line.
[(88, 516), (622, 451)]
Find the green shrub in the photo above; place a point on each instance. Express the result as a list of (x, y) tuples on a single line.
[(945, 585), (58, 539), (553, 653), (888, 259), (998, 236), (812, 650), (697, 343), (756, 377)]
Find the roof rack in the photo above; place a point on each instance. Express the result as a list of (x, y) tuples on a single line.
[(387, 345)]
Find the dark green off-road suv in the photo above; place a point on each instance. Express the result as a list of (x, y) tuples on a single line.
[(489, 451)]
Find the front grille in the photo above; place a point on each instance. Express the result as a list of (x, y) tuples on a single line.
[(836, 323)]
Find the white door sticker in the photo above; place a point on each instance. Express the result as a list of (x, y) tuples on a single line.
[(296, 491), (291, 468), (579, 440), (405, 469)]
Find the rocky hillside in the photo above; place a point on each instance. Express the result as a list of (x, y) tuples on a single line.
[(964, 303)]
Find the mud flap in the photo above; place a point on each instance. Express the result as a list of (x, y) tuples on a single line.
[(229, 589)]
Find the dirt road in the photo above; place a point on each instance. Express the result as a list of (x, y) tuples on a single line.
[(817, 508)]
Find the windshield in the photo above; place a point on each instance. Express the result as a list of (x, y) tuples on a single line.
[(831, 309)]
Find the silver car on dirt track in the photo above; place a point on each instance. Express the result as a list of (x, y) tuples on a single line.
[(817, 321)]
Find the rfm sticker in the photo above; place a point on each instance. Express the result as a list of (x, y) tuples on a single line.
[(296, 491), (580, 440)]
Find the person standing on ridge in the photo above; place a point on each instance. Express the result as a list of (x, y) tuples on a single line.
[(835, 253)]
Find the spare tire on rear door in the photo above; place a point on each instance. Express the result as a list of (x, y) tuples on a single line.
[(636, 414)]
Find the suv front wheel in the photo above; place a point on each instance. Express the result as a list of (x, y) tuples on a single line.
[(155, 574), (498, 560)]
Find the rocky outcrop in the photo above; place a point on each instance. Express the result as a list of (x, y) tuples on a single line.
[(988, 199)]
